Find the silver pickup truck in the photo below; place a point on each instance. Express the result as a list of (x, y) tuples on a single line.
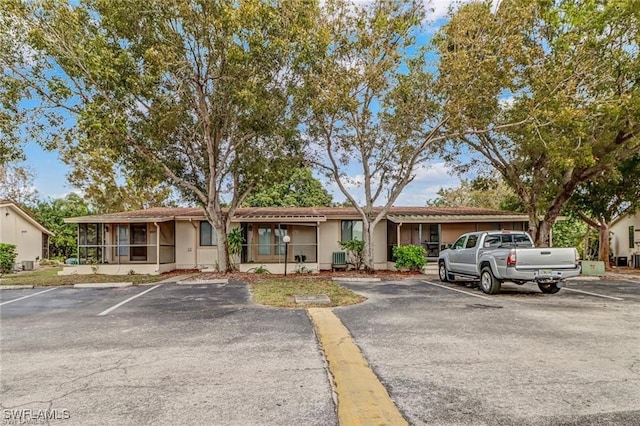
[(497, 256)]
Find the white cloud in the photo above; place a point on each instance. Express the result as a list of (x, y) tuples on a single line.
[(429, 179), (441, 7)]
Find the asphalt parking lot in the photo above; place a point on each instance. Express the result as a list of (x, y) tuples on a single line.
[(201, 354), (206, 354)]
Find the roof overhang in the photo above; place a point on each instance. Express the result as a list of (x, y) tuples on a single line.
[(455, 218), (270, 218), (118, 219)]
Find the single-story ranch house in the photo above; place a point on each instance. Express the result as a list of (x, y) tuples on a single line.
[(159, 240), (30, 238)]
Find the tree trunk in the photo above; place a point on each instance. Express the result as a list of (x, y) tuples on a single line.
[(368, 245), (223, 264), (219, 223), (543, 238), (603, 244)]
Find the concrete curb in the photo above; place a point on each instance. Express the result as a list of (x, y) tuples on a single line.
[(357, 280), (16, 287), (103, 285), (198, 282), (362, 399), (171, 280), (584, 278)]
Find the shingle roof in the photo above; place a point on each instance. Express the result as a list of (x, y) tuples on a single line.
[(406, 214)]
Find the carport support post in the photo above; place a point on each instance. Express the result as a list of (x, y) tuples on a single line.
[(157, 247), (286, 240)]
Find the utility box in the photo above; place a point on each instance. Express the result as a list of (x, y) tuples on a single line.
[(592, 267), (27, 265)]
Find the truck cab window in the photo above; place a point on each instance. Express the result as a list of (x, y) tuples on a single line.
[(459, 243), (471, 241)]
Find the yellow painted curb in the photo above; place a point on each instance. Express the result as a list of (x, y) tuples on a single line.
[(362, 400)]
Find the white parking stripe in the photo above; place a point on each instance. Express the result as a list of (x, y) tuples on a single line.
[(113, 308), (592, 294), (24, 297), (459, 291)]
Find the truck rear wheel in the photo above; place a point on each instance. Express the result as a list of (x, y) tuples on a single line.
[(488, 282), (549, 288), (443, 273)]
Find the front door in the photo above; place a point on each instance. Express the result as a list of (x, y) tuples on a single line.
[(138, 242)]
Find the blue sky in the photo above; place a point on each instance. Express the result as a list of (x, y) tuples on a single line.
[(50, 172)]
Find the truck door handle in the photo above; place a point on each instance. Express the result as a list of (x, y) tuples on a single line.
[(545, 252)]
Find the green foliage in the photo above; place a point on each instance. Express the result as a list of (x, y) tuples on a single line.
[(484, 192), (410, 256), (206, 96), (51, 215), (8, 257), (570, 233), (355, 250), (260, 270), (299, 189), (235, 240), (16, 184), (375, 111), (610, 194), (551, 90)]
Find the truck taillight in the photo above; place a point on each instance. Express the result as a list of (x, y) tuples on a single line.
[(511, 259), (577, 256)]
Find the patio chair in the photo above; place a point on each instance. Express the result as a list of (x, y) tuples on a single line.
[(339, 261)]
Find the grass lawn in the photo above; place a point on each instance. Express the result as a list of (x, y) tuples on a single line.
[(279, 292), (48, 276)]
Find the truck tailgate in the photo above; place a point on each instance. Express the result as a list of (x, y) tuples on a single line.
[(545, 257)]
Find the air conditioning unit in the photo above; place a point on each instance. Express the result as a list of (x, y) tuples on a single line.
[(27, 265)]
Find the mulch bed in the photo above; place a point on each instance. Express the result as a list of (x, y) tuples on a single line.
[(251, 278)]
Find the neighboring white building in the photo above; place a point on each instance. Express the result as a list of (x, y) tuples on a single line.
[(625, 238), (30, 238)]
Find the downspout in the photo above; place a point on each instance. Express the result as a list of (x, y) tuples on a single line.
[(157, 247), (195, 240)]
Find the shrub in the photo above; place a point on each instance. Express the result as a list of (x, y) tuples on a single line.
[(412, 257), (260, 270), (355, 248), (7, 258), (235, 240)]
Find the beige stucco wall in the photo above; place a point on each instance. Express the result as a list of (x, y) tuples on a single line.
[(330, 235), (123, 269), (189, 254), (15, 229), (451, 231)]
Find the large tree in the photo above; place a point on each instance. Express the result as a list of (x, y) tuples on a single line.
[(374, 113), (299, 189), (489, 192), (11, 90), (108, 188), (51, 214), (197, 92), (16, 184), (567, 71), (602, 200)]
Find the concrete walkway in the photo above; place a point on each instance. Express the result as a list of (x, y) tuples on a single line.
[(362, 399)]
